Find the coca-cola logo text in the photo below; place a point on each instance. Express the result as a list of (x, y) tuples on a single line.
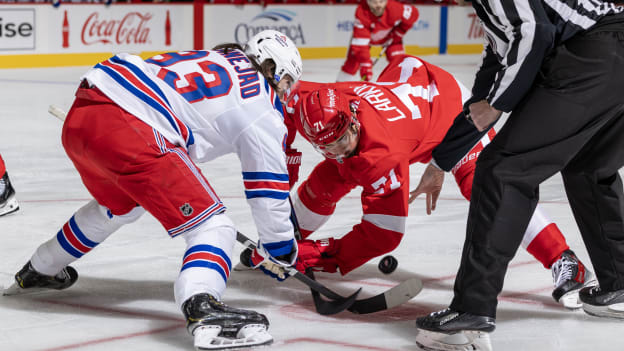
[(131, 29)]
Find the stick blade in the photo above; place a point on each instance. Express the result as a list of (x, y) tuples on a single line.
[(393, 297), (327, 308)]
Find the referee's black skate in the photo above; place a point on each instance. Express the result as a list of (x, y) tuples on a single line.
[(453, 330), (8, 202), (216, 326), (28, 280), (603, 303), (569, 276)]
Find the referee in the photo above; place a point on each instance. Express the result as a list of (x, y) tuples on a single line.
[(558, 67)]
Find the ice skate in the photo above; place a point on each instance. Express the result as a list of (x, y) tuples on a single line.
[(8, 202), (216, 326), (569, 276), (28, 280), (454, 331), (602, 303)]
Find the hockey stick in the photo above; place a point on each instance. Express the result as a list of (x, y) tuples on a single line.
[(390, 298), (337, 304), (381, 53), (395, 296), (316, 297), (383, 50)]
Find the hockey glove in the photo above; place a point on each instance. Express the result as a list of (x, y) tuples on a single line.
[(272, 266), (293, 162), (318, 255), (366, 70), (395, 51)]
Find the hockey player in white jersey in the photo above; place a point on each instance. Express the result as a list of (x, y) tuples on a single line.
[(135, 132)]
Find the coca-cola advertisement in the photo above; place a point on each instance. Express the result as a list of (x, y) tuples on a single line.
[(122, 28)]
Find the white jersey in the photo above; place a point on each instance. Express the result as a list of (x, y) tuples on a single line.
[(212, 103)]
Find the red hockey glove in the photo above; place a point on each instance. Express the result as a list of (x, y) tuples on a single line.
[(366, 70), (395, 51), (318, 255), (293, 162)]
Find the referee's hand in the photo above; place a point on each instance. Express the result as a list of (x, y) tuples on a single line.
[(482, 115)]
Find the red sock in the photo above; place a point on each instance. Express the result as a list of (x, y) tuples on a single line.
[(548, 245)]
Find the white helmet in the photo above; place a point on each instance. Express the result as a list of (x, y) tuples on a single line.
[(271, 44)]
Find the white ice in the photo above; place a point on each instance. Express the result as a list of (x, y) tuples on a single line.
[(124, 297)]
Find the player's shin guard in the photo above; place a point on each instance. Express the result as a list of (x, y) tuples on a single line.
[(88, 227), (206, 264)]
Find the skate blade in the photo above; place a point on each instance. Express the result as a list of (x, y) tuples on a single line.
[(15, 289), (571, 300), (9, 207), (611, 311), (207, 338), (467, 340)]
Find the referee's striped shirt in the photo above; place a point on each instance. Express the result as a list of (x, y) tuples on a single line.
[(520, 33)]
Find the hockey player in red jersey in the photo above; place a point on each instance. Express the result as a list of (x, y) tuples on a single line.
[(369, 134), (8, 203), (380, 23)]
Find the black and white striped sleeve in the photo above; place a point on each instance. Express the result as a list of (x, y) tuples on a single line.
[(519, 36)]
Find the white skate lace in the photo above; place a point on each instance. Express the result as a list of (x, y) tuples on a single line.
[(563, 270)]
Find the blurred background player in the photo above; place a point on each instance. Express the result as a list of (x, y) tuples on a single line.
[(8, 202), (134, 134), (369, 134), (380, 23)]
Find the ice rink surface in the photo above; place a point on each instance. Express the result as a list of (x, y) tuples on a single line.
[(124, 297)]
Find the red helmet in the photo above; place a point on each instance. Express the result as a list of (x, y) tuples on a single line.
[(325, 115)]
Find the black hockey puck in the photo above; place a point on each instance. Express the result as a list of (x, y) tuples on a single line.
[(388, 264)]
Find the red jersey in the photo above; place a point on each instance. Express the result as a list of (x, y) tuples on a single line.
[(403, 116), (369, 29)]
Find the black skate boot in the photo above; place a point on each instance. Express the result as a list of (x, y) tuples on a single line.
[(8, 203), (602, 303), (452, 330), (29, 280), (569, 276), (216, 326)]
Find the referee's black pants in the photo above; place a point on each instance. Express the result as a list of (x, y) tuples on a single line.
[(571, 122)]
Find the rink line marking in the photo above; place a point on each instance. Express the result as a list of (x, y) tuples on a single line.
[(111, 310), (330, 342), (425, 280), (115, 338), (516, 297)]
